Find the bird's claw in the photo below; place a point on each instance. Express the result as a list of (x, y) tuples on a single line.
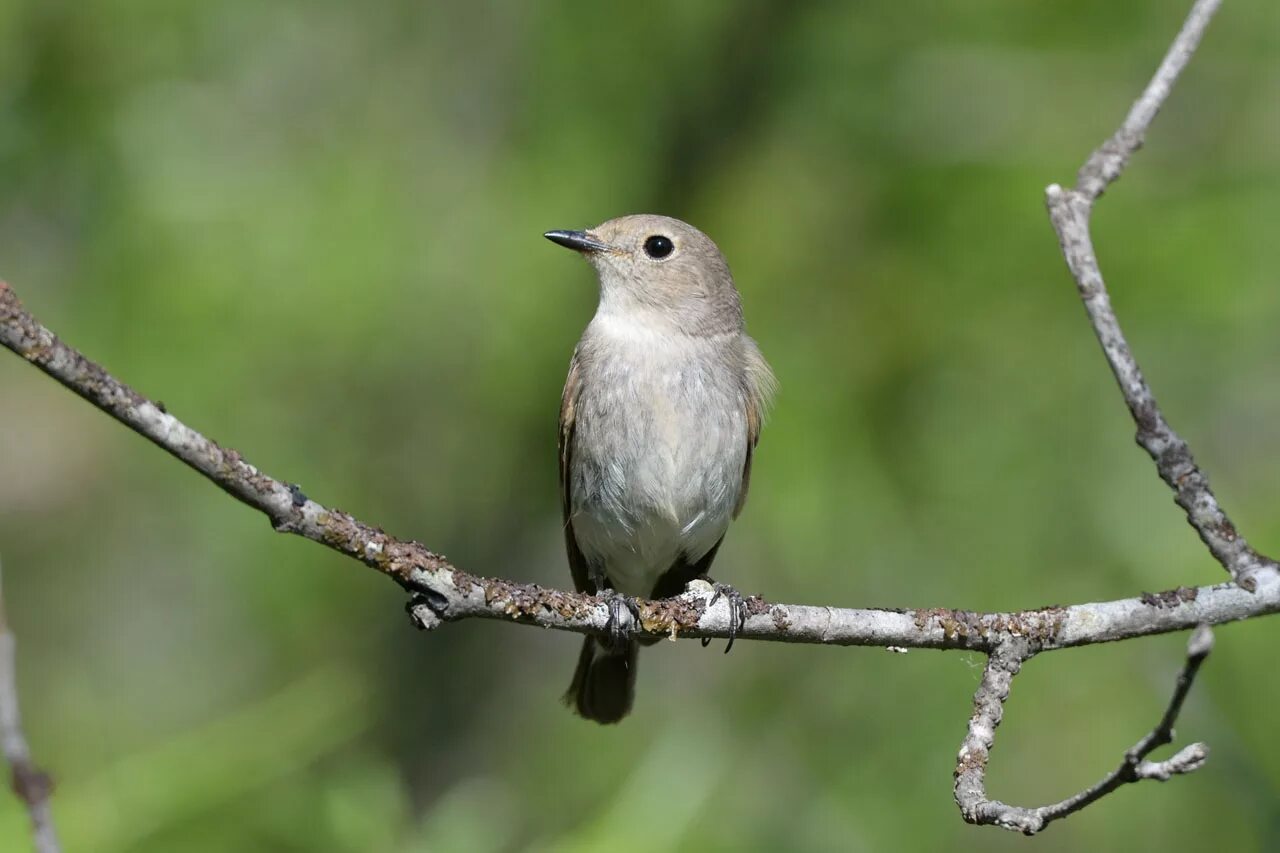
[(624, 616), (737, 612)]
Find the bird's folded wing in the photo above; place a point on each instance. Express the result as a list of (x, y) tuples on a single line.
[(568, 411), (758, 386)]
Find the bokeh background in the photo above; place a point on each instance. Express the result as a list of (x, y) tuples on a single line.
[(313, 230)]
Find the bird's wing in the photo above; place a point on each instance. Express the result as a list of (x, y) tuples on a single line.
[(758, 387), (568, 413)]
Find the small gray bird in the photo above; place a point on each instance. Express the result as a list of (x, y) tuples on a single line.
[(659, 419)]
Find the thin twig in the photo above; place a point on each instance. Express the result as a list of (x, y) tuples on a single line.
[(988, 707), (971, 764), (1070, 211), (444, 592), (1105, 164), (31, 784)]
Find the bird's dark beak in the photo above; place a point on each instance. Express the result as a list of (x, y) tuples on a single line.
[(579, 241)]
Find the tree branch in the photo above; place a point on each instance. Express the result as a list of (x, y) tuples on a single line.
[(1069, 211), (988, 708), (31, 784), (444, 592)]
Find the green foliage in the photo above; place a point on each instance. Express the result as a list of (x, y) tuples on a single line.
[(313, 231)]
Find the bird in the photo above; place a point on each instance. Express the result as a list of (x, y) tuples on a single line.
[(659, 421)]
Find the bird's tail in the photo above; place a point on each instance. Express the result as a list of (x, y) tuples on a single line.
[(604, 684)]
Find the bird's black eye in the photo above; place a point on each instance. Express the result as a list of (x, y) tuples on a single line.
[(658, 247)]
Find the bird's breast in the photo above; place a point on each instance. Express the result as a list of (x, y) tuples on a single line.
[(658, 452)]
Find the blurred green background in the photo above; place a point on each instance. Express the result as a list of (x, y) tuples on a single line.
[(313, 229)]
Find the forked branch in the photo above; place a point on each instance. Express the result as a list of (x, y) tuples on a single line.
[(988, 708), (1069, 211)]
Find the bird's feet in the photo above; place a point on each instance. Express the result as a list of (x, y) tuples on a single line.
[(737, 611), (624, 617)]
